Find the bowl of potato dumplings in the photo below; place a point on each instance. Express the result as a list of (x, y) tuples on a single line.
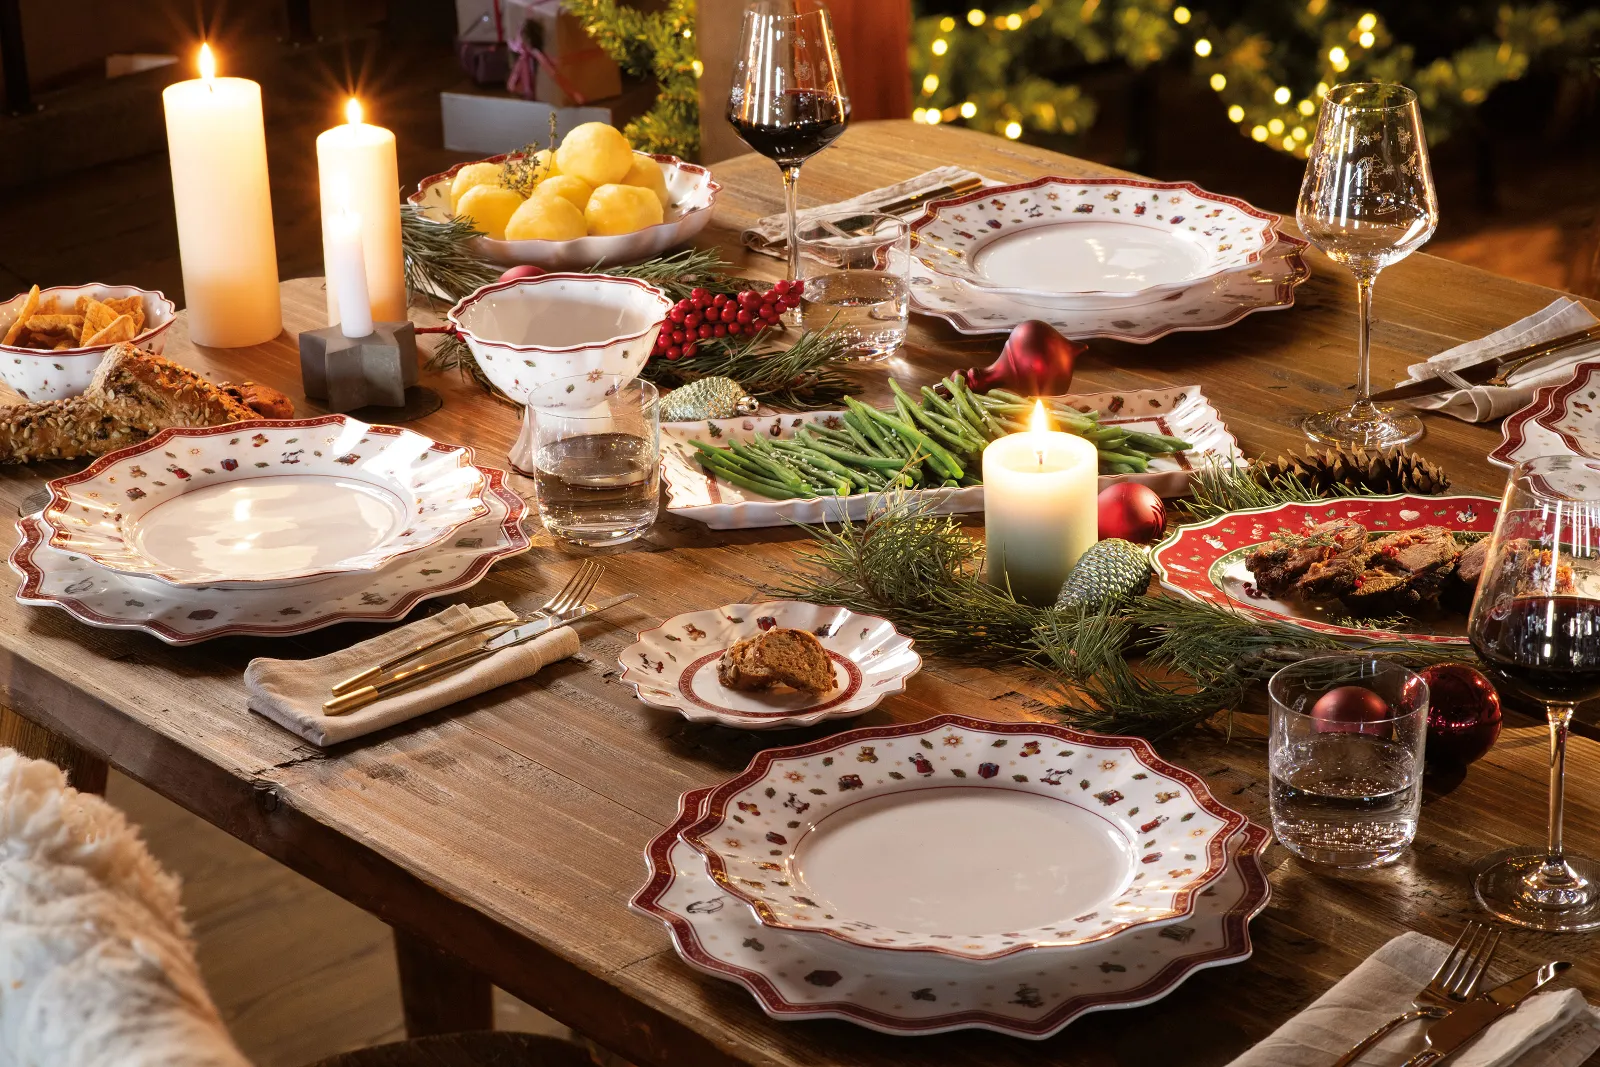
[(591, 201)]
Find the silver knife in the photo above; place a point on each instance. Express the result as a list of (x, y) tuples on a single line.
[(1447, 1035), (1489, 369), (415, 676)]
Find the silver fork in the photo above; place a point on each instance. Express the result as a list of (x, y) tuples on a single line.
[(1453, 984), (566, 598)]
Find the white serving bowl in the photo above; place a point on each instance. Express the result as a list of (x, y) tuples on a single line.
[(528, 332), (37, 374), (691, 193)]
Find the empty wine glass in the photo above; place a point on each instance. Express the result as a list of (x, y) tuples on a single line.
[(1367, 201), (1536, 624), (788, 100)]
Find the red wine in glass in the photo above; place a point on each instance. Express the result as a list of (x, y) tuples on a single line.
[(801, 123), (1545, 648)]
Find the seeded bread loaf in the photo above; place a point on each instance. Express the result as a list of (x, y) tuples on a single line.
[(133, 394)]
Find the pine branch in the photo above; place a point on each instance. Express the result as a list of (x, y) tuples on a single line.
[(1223, 485), (805, 376)]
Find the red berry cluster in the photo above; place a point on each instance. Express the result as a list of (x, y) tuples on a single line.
[(701, 316)]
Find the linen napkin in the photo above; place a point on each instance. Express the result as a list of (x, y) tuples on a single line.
[(1480, 403), (768, 235), (290, 692), (1557, 1029)]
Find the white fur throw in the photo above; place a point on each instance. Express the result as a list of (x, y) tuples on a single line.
[(96, 965)]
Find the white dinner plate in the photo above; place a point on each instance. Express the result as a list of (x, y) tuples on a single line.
[(796, 975), (270, 502), (960, 837)]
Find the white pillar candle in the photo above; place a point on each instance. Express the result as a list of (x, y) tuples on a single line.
[(347, 272), (356, 169), (217, 144), (1039, 508)]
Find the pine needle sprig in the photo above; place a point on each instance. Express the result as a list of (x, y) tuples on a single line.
[(807, 375), (680, 274), (439, 255), (1225, 484)]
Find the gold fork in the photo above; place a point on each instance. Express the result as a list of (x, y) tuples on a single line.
[(568, 597)]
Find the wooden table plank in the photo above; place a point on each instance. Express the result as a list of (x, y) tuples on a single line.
[(507, 830)]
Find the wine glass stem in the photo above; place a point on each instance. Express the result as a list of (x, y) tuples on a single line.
[(1560, 716), (791, 197), (1364, 408)]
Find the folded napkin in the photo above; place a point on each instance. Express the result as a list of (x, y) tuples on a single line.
[(1549, 1030), (769, 235), (1479, 403), (291, 692)]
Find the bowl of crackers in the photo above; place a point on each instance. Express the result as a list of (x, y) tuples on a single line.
[(52, 340)]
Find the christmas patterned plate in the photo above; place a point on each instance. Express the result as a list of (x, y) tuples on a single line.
[(1083, 241), (1211, 305), (1205, 561), (1562, 419), (182, 615), (1065, 838), (266, 503), (1180, 412), (674, 666), (1033, 995)]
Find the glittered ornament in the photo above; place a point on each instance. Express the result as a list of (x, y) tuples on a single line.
[(707, 398), (1463, 714), (1036, 361), (1132, 512), (1351, 709), (517, 273)]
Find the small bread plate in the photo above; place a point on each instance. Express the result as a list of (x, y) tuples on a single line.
[(674, 666), (1206, 562), (691, 195), (184, 615), (1033, 995), (692, 493), (266, 503), (894, 838)]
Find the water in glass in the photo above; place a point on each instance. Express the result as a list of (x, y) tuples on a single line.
[(868, 308), (1346, 799), (597, 488)]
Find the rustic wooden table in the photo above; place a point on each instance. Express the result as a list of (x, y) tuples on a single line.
[(502, 837)]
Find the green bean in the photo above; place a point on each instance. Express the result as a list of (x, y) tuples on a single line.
[(858, 459), (751, 454), (1137, 462), (744, 481), (937, 456)]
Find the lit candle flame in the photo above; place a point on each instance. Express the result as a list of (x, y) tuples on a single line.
[(1038, 426), (352, 112), (208, 65)]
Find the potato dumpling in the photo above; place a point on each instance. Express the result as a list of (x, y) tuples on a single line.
[(489, 207), (473, 174), (546, 218), (595, 152), (615, 209), (546, 162), (568, 188), (646, 174)]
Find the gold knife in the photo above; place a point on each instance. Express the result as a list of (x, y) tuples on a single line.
[(1491, 371), (1449, 1034), (414, 676), (856, 222)]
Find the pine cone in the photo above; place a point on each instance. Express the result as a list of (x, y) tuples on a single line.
[(1356, 468)]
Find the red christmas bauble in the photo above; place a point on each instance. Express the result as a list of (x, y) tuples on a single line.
[(517, 273), (1351, 709), (1463, 714), (1036, 361), (1132, 512)]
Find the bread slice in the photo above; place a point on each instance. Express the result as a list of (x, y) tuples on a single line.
[(737, 669), (779, 656)]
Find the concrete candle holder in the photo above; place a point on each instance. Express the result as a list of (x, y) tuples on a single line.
[(347, 373)]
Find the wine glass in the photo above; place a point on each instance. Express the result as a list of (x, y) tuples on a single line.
[(1536, 624), (1367, 201), (788, 100)]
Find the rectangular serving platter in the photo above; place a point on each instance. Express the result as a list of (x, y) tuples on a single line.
[(1182, 411)]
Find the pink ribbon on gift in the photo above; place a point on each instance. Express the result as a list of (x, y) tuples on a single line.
[(523, 79)]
